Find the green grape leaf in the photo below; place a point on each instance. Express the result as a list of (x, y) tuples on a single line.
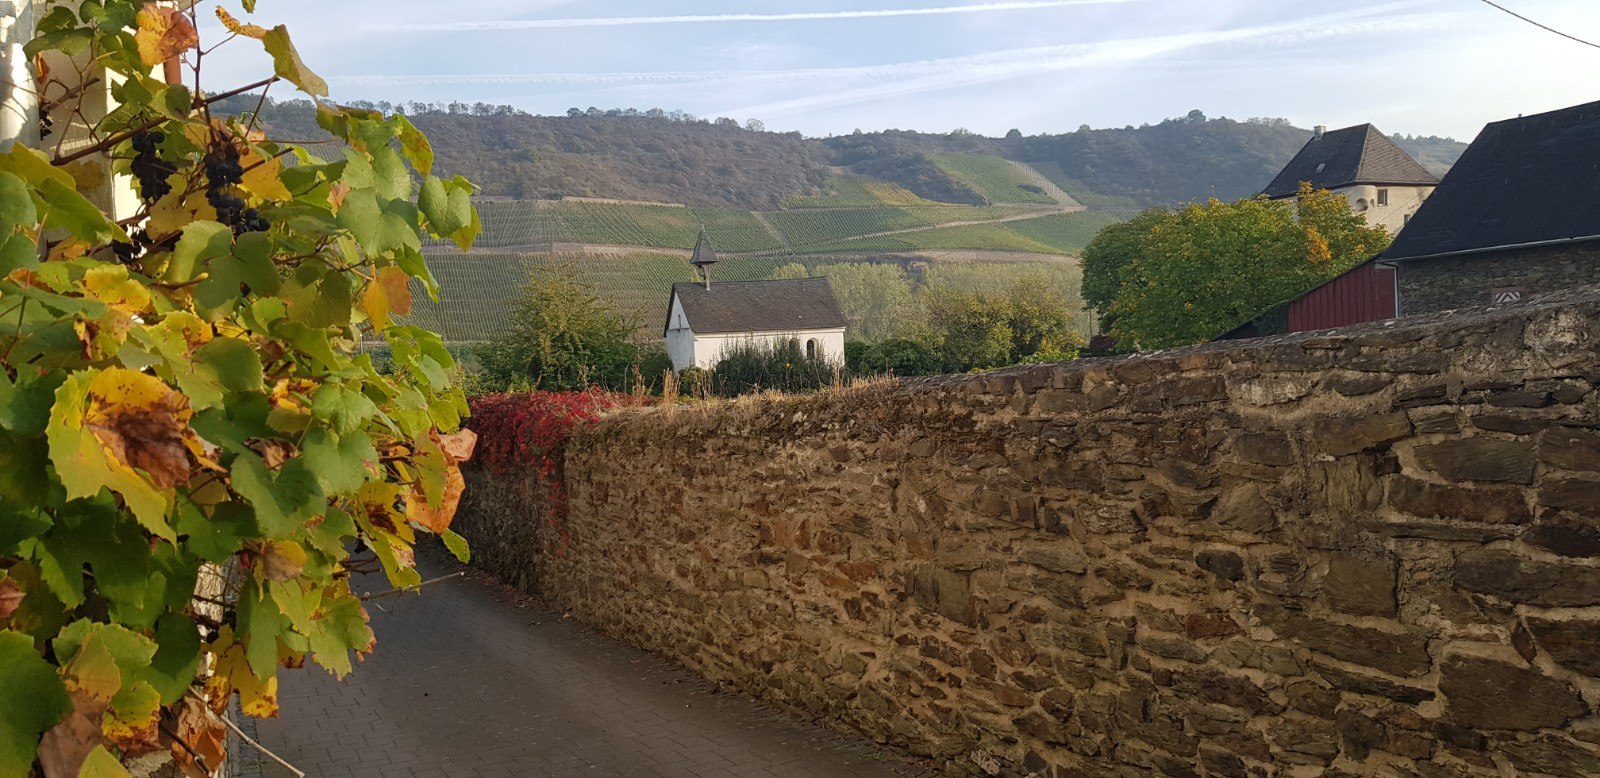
[(414, 144), (237, 364), (287, 64), (34, 700), (457, 546), (340, 463), (177, 657), (66, 209), (341, 627)]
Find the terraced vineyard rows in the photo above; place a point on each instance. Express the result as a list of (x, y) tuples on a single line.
[(993, 177), (1065, 233)]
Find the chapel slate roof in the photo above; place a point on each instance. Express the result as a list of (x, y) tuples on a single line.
[(759, 306), (1353, 155), (1533, 179)]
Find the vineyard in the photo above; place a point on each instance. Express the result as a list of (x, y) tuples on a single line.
[(1064, 233), (996, 179)]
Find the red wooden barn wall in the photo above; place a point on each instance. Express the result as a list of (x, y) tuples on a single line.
[(1365, 293)]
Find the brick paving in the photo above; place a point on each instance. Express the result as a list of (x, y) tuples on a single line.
[(472, 679)]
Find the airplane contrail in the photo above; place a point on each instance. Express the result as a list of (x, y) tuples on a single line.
[(622, 21)]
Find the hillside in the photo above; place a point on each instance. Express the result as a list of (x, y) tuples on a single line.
[(671, 158), (620, 199)]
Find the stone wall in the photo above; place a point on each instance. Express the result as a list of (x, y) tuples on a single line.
[(1433, 285), (1374, 553)]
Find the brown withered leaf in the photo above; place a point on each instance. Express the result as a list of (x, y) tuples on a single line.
[(10, 598), (283, 561), (141, 422), (64, 747), (437, 518), (458, 446), (202, 732), (274, 451), (163, 33)]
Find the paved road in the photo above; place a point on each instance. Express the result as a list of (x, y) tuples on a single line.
[(472, 679)]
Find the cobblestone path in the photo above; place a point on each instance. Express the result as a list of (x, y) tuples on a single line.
[(472, 679)]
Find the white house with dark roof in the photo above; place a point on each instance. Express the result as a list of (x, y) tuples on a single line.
[(1379, 178), (706, 320)]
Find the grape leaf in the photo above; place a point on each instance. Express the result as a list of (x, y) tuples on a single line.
[(34, 700), (287, 64)]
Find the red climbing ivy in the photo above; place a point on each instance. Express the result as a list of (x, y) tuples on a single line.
[(525, 431)]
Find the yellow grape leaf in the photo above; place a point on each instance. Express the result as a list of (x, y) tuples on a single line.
[(101, 764), (103, 337), (125, 431), (93, 671), (388, 294), (131, 724), (196, 332), (437, 518), (261, 175), (163, 33), (173, 212), (240, 28), (232, 674), (69, 248), (111, 285), (142, 423)]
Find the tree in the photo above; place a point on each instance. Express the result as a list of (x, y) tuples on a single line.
[(192, 395), (1014, 134), (1111, 250), (563, 338), (877, 299), (756, 125), (1208, 268), (977, 330)]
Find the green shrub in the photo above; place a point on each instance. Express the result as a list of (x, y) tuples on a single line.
[(753, 366)]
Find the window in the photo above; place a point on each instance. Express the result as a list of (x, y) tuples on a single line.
[(1321, 166), (1361, 204), (811, 349), (1383, 197)]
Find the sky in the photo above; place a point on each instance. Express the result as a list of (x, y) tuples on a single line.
[(821, 67)]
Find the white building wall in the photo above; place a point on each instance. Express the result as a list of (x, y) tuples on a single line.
[(1402, 203), (708, 350)]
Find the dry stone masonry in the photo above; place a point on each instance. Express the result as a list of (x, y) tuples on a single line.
[(1368, 553)]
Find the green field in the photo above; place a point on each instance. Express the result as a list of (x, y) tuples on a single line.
[(996, 179)]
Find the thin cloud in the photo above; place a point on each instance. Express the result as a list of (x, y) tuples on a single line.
[(629, 21), (899, 78), (902, 80)]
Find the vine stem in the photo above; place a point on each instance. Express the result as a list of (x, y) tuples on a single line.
[(258, 747), (411, 588), (126, 134)]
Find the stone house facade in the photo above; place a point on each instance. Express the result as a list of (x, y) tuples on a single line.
[(1380, 179)]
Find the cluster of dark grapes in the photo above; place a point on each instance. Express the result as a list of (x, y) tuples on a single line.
[(150, 169), (129, 252), (223, 173)]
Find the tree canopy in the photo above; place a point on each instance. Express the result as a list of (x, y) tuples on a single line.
[(1202, 270), (562, 338)]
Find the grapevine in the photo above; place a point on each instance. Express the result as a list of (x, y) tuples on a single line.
[(182, 392)]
